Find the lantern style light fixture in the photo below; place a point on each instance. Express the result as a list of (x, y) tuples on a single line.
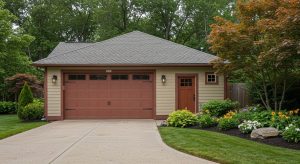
[(163, 79), (54, 79)]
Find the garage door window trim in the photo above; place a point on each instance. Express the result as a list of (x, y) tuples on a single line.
[(119, 77), (76, 77), (140, 77), (98, 77)]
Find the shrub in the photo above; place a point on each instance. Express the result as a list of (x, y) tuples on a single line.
[(32, 111), (25, 96), (227, 123), (219, 107), (291, 133), (242, 116), (206, 121), (181, 118), (248, 126), (7, 107)]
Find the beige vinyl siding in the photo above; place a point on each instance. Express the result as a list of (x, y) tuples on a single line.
[(165, 93), (53, 94)]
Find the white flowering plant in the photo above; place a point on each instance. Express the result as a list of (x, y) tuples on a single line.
[(247, 126), (291, 133)]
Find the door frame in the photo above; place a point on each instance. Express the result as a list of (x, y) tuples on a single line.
[(101, 70), (177, 76)]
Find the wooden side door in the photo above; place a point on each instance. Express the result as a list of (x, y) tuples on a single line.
[(186, 93)]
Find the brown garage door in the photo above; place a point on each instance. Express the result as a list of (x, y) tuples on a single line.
[(96, 95)]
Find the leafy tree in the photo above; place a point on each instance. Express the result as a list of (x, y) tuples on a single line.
[(58, 20), (13, 44), (263, 44), (17, 8), (15, 84), (183, 21)]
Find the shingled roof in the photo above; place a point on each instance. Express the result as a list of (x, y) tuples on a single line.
[(134, 48)]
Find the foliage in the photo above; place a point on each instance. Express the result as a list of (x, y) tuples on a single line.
[(51, 22), (222, 148), (219, 107), (32, 111), (13, 41), (242, 116), (280, 120), (256, 108), (263, 117), (227, 123), (291, 133), (248, 126), (25, 96), (263, 45), (206, 121), (16, 82), (181, 118), (7, 107)]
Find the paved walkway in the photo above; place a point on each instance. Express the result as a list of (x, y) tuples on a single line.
[(92, 141)]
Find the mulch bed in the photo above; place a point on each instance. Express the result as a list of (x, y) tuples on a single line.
[(274, 141)]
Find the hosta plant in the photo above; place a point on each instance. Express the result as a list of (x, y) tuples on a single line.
[(291, 133), (248, 126), (181, 118)]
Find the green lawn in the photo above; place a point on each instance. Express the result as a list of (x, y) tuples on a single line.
[(10, 125), (224, 148)]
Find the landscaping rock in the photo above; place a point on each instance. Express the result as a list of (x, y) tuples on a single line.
[(263, 133)]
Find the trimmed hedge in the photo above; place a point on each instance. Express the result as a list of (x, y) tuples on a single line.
[(8, 107)]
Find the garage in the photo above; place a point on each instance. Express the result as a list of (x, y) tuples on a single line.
[(134, 75), (105, 95)]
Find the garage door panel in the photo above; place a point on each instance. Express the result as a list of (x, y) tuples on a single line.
[(109, 113), (108, 98)]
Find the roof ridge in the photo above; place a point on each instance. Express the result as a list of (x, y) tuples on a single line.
[(166, 40), (51, 57)]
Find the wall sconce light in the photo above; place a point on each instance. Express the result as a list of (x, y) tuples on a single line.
[(163, 79), (54, 79)]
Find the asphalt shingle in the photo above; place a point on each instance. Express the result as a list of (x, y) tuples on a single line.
[(132, 48)]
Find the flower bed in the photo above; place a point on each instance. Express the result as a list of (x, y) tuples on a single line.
[(274, 141), (241, 124)]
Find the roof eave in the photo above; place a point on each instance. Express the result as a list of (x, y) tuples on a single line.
[(125, 65)]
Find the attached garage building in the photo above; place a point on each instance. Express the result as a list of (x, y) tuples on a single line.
[(134, 75)]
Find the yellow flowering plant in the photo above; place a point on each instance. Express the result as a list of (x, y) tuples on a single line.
[(279, 120)]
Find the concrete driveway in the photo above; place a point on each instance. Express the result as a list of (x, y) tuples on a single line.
[(92, 141)]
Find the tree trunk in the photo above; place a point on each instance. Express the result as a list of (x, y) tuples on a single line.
[(275, 97), (282, 94)]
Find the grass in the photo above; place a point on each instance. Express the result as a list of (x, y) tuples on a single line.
[(224, 148), (11, 125)]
